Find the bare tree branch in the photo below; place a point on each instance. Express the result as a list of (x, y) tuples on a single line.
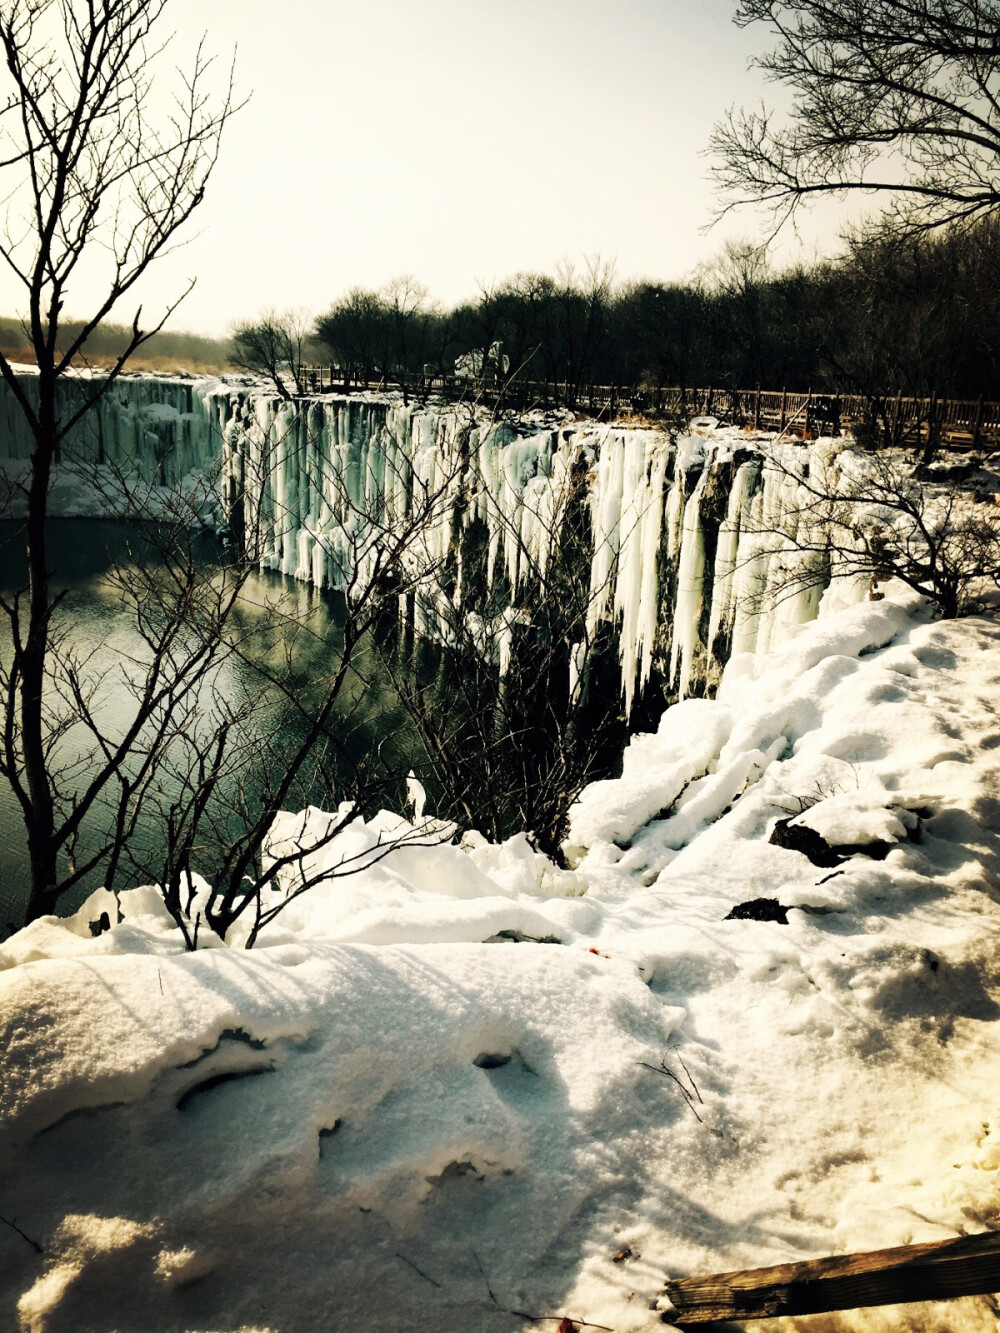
[(897, 98)]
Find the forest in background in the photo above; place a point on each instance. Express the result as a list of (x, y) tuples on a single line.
[(916, 315)]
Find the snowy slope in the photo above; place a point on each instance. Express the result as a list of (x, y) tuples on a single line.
[(377, 1120)]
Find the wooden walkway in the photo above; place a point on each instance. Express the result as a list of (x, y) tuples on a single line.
[(940, 1270), (893, 418)]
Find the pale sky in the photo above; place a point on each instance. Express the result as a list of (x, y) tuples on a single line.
[(457, 140)]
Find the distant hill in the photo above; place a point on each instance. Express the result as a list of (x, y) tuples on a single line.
[(172, 351)]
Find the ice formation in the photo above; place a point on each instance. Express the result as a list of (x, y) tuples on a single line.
[(684, 558)]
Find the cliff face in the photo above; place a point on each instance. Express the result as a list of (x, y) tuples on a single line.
[(684, 562)]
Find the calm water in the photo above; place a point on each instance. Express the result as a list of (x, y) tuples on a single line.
[(285, 627)]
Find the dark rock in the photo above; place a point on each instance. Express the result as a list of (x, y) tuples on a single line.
[(759, 909), (800, 838), (519, 937), (945, 471), (102, 924), (876, 851)]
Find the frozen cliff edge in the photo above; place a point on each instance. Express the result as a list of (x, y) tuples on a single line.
[(683, 560), (355, 1122)]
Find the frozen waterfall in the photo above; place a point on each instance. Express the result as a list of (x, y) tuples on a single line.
[(686, 560)]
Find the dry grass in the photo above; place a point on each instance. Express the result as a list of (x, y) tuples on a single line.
[(164, 365)]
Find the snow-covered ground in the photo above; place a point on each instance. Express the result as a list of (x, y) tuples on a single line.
[(390, 1116)]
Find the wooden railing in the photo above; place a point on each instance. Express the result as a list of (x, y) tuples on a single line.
[(890, 418)]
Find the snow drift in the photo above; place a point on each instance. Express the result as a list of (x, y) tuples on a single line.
[(403, 1110)]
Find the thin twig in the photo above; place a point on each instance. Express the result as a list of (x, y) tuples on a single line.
[(535, 1318), (663, 1069), (426, 1276), (690, 1078), (554, 1318), (24, 1236), (484, 1277)]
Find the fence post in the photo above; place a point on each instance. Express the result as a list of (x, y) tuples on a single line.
[(979, 422), (784, 400), (896, 414), (805, 427), (756, 409), (836, 414), (708, 402)]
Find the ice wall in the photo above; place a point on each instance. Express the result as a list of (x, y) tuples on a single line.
[(684, 560), (157, 429)]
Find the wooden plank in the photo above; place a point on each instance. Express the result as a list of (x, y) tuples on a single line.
[(940, 1270)]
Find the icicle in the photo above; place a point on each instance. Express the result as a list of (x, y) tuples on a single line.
[(690, 590), (636, 586), (726, 553)]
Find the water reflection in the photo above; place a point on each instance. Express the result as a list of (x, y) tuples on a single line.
[(285, 631)]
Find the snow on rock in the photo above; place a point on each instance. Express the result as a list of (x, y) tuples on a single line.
[(855, 818), (377, 1119), (655, 769)]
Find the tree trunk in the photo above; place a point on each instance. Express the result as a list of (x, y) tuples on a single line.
[(41, 819)]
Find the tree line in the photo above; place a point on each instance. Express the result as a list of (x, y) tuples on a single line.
[(916, 314)]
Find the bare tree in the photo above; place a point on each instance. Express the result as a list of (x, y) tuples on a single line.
[(740, 278), (583, 305), (867, 517), (231, 753), (204, 724), (523, 709), (406, 302), (889, 96), (91, 178), (384, 331), (353, 333), (273, 345)]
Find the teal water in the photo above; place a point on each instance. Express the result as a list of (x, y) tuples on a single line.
[(285, 629)]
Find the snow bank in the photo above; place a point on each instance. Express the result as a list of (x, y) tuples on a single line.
[(402, 1110)]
